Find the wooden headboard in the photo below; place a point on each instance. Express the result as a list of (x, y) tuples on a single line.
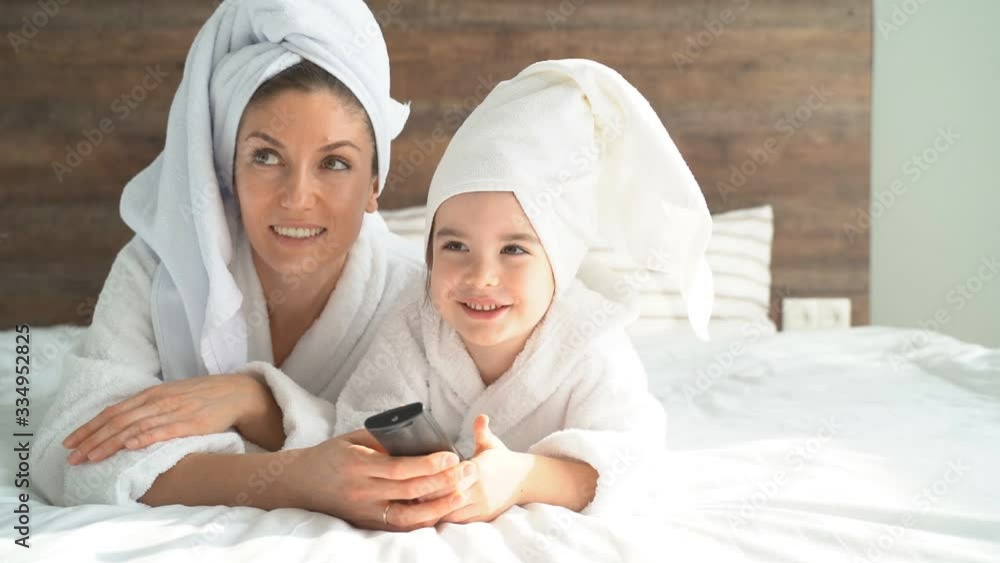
[(768, 100)]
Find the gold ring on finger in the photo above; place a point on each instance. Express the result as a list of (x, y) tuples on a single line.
[(385, 514)]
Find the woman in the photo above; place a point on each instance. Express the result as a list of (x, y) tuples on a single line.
[(256, 246)]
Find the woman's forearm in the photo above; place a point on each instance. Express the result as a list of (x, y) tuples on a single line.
[(202, 479), (264, 424), (560, 482)]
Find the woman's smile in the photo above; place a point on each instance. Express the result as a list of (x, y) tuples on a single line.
[(297, 236)]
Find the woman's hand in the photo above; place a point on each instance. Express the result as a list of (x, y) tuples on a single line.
[(503, 474), (188, 407), (351, 477)]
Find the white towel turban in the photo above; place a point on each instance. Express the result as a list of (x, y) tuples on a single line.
[(590, 163), (182, 205)]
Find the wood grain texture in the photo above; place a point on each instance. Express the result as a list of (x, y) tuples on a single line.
[(745, 87)]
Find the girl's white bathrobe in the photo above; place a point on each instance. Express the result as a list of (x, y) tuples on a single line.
[(577, 390), (117, 357)]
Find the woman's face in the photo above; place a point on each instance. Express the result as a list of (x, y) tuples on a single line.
[(303, 177), (485, 254)]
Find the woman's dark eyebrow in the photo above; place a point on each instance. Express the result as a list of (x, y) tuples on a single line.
[(337, 145), (265, 137), (329, 147)]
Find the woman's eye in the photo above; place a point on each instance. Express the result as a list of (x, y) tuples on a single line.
[(514, 249), (261, 156), (337, 164), (452, 245)]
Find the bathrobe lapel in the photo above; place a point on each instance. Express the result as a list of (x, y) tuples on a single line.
[(453, 375)]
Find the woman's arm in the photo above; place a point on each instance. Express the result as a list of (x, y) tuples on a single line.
[(344, 477), (195, 406), (263, 423), (220, 479), (113, 360)]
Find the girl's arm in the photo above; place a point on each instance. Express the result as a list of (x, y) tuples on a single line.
[(503, 478), (603, 460), (560, 482), (614, 425)]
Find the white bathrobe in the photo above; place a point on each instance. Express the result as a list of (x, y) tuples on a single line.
[(117, 357), (578, 390)]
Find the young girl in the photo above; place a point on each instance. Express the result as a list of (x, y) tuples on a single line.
[(517, 344)]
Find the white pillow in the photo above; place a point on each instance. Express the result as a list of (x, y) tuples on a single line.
[(739, 255)]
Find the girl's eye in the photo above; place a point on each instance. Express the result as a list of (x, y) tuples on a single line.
[(337, 164), (514, 249), (453, 245), (260, 156)]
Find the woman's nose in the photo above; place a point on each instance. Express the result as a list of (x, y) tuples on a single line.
[(299, 193)]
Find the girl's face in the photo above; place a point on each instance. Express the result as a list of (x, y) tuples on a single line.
[(303, 177), (486, 255)]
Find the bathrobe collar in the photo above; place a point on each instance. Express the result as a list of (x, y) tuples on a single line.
[(575, 319)]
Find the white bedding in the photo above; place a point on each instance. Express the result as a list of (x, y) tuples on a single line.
[(869, 444)]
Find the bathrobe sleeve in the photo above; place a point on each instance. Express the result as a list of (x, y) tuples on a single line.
[(306, 419), (113, 360), (614, 424)]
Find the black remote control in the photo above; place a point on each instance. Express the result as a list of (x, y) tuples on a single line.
[(409, 430)]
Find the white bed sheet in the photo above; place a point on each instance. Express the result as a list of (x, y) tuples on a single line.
[(868, 444)]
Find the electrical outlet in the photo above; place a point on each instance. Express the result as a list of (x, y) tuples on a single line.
[(815, 314)]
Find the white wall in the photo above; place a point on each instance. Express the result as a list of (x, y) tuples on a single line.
[(936, 69)]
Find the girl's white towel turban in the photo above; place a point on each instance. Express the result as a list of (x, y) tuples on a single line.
[(181, 205), (590, 163)]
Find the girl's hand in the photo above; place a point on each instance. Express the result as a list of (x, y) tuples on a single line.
[(188, 407), (502, 475)]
